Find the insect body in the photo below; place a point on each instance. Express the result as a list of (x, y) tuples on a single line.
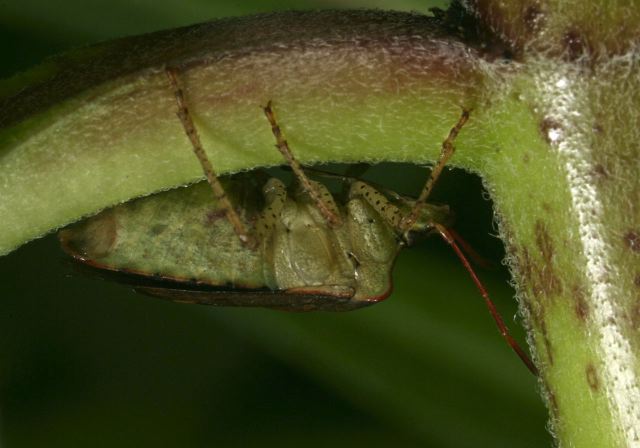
[(300, 263), (295, 249)]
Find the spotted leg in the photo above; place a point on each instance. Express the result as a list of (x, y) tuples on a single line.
[(275, 196), (329, 215), (445, 154), (218, 191), (379, 202)]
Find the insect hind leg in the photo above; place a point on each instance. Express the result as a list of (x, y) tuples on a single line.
[(325, 209), (218, 190)]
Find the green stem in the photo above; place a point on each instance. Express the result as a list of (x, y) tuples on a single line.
[(577, 259)]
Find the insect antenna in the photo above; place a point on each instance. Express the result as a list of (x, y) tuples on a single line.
[(504, 331), (475, 257)]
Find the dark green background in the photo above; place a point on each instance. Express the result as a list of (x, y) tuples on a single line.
[(87, 363)]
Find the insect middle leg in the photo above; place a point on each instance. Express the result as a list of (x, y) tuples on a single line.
[(332, 218), (218, 190)]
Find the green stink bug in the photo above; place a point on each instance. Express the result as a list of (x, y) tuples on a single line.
[(295, 249)]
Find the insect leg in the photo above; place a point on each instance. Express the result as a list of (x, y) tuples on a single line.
[(445, 154), (389, 212), (504, 331), (218, 191), (275, 195), (281, 143)]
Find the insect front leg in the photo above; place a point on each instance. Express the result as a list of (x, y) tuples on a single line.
[(218, 191), (445, 154), (329, 215)]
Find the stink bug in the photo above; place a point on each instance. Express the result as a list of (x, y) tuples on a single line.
[(266, 245)]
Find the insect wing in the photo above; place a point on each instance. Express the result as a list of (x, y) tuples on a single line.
[(180, 234), (336, 299)]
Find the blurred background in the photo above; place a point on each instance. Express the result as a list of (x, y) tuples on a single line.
[(84, 362)]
